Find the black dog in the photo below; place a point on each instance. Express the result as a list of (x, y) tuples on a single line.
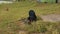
[(32, 17)]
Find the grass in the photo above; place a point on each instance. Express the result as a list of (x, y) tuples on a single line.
[(18, 10)]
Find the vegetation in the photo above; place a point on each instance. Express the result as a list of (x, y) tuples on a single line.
[(9, 23)]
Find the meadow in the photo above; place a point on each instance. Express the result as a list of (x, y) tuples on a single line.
[(9, 23)]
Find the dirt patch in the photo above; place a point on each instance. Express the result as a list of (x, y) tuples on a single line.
[(51, 18), (23, 32)]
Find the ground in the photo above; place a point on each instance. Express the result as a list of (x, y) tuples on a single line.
[(10, 24), (51, 17)]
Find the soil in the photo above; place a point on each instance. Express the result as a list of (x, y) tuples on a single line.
[(51, 17)]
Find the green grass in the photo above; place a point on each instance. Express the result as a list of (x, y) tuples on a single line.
[(20, 10)]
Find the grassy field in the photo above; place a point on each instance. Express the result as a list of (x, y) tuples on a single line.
[(9, 23)]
